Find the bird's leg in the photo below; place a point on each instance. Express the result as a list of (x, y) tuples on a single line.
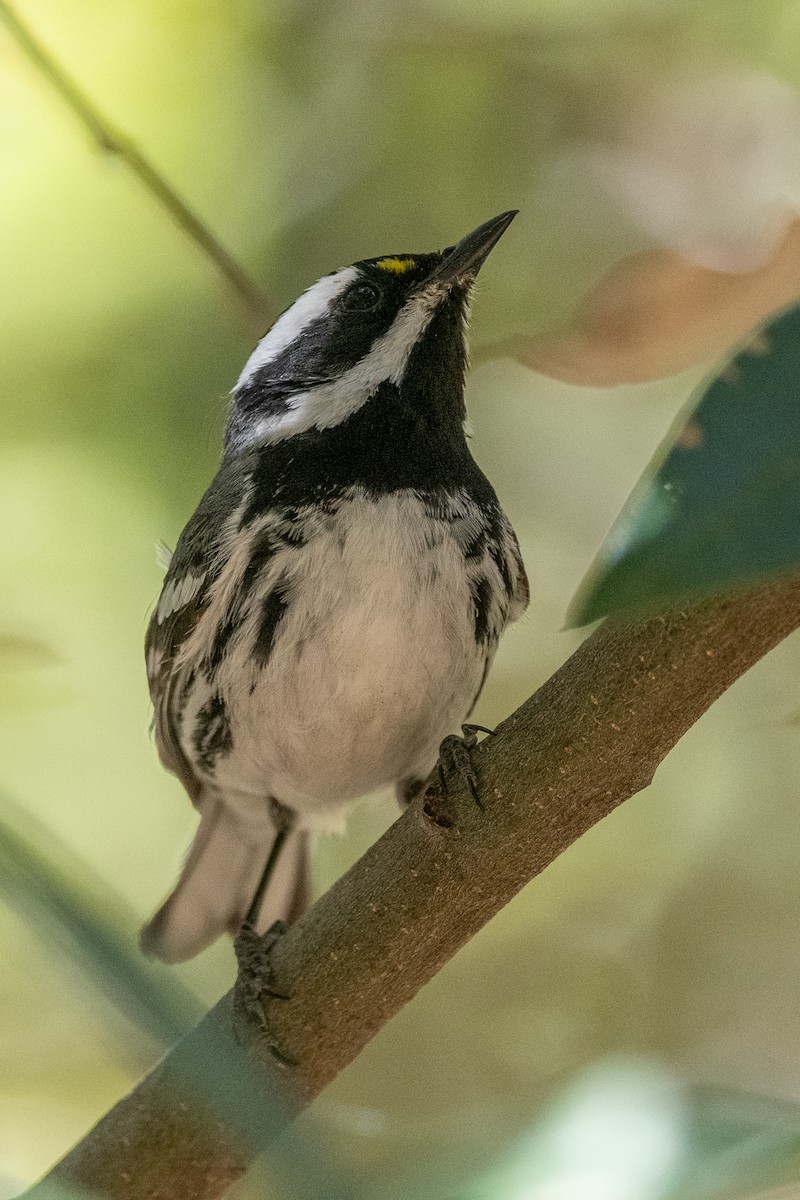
[(455, 755), (252, 990), (283, 820), (254, 950)]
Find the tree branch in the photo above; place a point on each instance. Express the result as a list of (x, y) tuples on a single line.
[(589, 738)]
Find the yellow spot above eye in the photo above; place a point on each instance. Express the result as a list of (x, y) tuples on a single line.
[(397, 265)]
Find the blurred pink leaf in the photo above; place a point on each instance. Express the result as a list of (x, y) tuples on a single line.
[(655, 314), (705, 161)]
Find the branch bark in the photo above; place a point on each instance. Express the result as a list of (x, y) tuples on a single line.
[(592, 736)]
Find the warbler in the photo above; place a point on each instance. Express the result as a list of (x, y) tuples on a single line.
[(332, 607)]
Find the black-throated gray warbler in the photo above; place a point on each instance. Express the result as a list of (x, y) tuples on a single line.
[(333, 605)]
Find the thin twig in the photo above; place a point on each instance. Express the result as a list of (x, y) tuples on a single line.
[(110, 141)]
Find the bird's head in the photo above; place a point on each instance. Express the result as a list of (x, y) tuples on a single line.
[(390, 327)]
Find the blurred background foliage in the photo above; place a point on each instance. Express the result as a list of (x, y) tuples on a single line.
[(643, 991)]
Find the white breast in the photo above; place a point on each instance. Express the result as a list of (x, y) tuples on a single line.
[(374, 661)]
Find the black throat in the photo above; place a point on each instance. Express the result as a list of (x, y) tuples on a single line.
[(384, 447), (407, 435)]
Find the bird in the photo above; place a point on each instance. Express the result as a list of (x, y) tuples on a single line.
[(331, 610)]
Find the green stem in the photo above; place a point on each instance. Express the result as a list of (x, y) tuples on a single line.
[(111, 142)]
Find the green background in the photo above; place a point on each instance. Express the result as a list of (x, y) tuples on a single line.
[(662, 952)]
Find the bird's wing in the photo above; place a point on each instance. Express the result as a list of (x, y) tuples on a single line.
[(167, 683), (508, 559), (184, 596), (521, 594)]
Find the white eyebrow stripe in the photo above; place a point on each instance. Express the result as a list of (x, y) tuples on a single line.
[(314, 303), (331, 403)]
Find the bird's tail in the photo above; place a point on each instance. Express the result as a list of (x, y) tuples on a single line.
[(218, 882)]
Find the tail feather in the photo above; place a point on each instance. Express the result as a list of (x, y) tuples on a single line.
[(218, 882)]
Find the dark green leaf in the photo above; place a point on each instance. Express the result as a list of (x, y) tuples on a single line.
[(719, 507)]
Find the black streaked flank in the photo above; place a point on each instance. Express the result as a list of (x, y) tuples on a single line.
[(500, 561), (196, 553), (481, 603), (476, 546), (266, 544), (272, 611), (167, 636), (212, 735), (225, 632), (261, 551), (292, 528), (185, 689)]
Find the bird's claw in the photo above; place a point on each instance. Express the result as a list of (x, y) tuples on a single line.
[(253, 988), (455, 755)]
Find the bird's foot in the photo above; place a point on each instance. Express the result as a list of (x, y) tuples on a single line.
[(455, 754), (253, 989)]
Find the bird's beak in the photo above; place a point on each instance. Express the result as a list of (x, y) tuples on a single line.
[(466, 258)]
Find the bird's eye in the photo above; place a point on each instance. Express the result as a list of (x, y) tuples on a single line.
[(362, 297)]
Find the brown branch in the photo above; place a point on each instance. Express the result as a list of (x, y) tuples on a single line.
[(590, 738), (110, 141)]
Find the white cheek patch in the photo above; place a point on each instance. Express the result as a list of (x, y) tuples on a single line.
[(312, 305), (331, 403)]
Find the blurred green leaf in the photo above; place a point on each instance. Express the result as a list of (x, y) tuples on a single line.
[(88, 926), (59, 1191), (632, 1130), (18, 652), (738, 1144), (617, 1133), (719, 507), (78, 916)]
